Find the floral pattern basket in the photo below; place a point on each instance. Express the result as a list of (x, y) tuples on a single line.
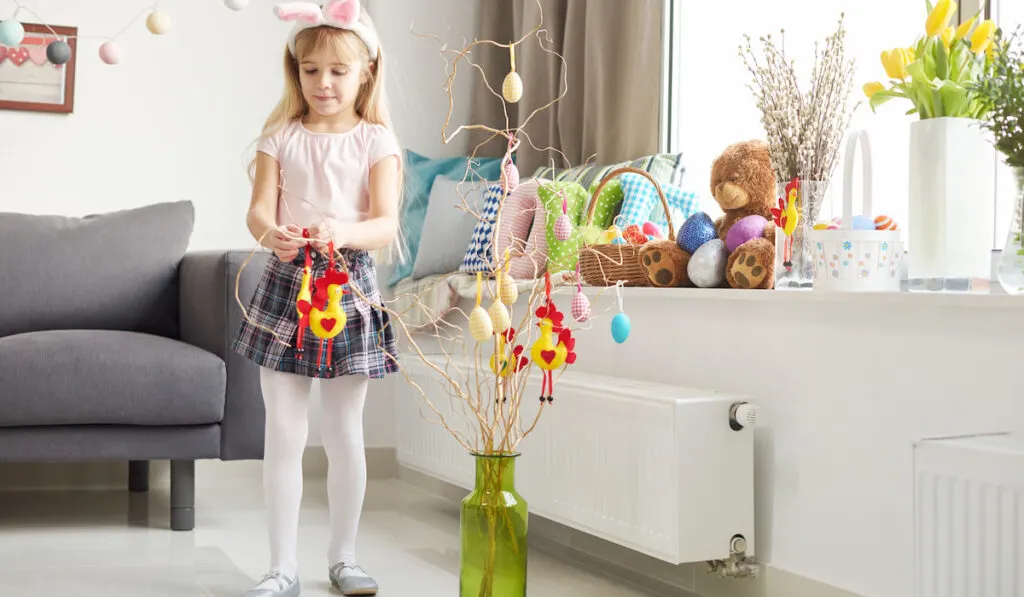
[(847, 260)]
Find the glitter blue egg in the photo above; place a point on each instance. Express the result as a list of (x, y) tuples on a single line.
[(620, 327), (697, 230)]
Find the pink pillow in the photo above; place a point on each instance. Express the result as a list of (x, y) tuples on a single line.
[(517, 229)]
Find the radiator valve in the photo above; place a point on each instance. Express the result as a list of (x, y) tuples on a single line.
[(744, 414), (737, 565)]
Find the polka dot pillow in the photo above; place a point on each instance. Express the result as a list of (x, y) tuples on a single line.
[(608, 204), (561, 255)]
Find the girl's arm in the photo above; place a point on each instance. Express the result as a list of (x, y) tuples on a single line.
[(262, 216), (381, 225)]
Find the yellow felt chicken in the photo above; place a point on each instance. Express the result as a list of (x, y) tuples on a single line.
[(555, 346), (786, 217), (320, 307)]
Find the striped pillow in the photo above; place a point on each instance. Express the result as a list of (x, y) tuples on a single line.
[(514, 231), (666, 168)]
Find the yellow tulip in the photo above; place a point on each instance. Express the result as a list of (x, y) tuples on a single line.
[(981, 39), (895, 62), (939, 17), (872, 88), (964, 29), (947, 36)]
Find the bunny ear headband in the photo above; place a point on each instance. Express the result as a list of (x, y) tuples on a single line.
[(343, 14)]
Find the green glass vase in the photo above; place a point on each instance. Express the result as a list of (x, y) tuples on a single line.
[(494, 520)]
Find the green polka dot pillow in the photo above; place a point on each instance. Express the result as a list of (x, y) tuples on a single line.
[(561, 255), (608, 204)]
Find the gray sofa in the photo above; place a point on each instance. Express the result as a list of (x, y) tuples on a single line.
[(115, 345)]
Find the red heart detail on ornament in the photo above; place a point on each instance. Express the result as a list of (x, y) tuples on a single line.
[(547, 355), (328, 323), (19, 56)]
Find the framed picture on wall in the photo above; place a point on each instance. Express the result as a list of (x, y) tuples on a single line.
[(29, 81)]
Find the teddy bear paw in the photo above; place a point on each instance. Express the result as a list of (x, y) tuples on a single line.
[(748, 267), (664, 263)]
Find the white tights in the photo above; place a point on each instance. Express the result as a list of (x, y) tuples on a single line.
[(286, 397)]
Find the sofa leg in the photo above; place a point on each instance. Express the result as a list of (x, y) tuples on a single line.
[(183, 495), (138, 476)]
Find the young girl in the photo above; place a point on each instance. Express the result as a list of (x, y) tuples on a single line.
[(327, 169)]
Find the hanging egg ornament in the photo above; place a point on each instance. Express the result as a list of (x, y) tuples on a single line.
[(580, 306), (621, 325), (563, 226), (509, 177), (236, 4), (507, 289), (158, 22), (110, 52), (512, 86), (11, 32), (58, 52), (480, 325), (500, 317)]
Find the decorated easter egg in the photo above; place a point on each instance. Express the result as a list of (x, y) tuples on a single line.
[(110, 52), (11, 32), (621, 327), (512, 87), (697, 230), (863, 223), (634, 235), (746, 229), (618, 240), (563, 228), (509, 177), (158, 23), (236, 4), (650, 229), (885, 223), (822, 226), (58, 52), (508, 292), (706, 268), (500, 317), (580, 307), (480, 325), (609, 235)]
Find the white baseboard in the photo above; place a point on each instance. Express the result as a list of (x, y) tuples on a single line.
[(381, 463), (645, 572)]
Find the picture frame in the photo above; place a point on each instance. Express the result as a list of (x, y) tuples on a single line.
[(29, 81)]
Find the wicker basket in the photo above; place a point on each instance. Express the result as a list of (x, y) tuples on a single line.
[(608, 265)]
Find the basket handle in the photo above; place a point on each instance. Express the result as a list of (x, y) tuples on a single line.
[(611, 175), (856, 137)]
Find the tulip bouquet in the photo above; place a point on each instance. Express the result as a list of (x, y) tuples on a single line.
[(938, 72)]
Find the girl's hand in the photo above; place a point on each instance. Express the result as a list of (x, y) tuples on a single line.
[(286, 242), (323, 233)]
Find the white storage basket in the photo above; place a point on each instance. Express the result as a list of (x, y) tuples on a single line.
[(848, 260)]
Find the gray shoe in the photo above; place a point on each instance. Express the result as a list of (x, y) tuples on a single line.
[(275, 585), (352, 580)]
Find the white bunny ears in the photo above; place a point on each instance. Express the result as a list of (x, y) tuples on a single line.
[(343, 14)]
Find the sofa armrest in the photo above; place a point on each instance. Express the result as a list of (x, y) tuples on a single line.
[(209, 318)]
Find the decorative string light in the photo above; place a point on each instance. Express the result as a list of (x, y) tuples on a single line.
[(12, 32)]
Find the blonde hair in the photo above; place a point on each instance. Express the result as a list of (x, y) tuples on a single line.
[(371, 103)]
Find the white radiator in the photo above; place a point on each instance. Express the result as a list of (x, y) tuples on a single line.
[(969, 516), (654, 468)]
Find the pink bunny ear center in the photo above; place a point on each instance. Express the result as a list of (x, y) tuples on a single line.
[(344, 12), (299, 11)]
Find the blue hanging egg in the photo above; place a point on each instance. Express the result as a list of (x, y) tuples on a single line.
[(620, 327)]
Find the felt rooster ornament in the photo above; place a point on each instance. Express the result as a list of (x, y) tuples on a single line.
[(320, 307), (555, 347), (786, 218), (504, 364)]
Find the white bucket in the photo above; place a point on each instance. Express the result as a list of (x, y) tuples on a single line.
[(848, 260)]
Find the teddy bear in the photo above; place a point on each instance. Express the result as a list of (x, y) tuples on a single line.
[(743, 183)]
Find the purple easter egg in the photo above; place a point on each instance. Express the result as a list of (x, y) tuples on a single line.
[(746, 229)]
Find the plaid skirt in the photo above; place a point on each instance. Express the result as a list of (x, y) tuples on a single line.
[(362, 348)]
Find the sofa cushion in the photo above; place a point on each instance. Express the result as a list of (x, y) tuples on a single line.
[(115, 271), (90, 377)]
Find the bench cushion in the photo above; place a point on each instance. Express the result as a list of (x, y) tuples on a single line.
[(90, 377)]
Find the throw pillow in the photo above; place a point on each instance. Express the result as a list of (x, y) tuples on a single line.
[(608, 204), (419, 174), (514, 230), (447, 226), (479, 255), (641, 203), (561, 255), (666, 168)]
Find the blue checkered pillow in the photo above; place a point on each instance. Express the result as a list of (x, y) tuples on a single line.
[(641, 203), (480, 252)]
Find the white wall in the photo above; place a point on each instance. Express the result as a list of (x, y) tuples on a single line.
[(176, 119)]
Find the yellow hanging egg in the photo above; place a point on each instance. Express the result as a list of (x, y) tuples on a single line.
[(508, 291), (500, 317), (512, 87), (480, 326)]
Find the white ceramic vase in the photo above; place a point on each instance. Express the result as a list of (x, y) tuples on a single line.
[(952, 205)]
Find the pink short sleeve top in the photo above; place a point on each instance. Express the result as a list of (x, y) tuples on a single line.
[(326, 172)]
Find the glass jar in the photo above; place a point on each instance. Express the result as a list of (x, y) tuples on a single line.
[(1011, 262), (794, 255)]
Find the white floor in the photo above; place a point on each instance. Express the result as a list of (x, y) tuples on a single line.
[(113, 544)]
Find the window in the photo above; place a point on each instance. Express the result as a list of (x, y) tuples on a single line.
[(710, 105), (1008, 14)]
